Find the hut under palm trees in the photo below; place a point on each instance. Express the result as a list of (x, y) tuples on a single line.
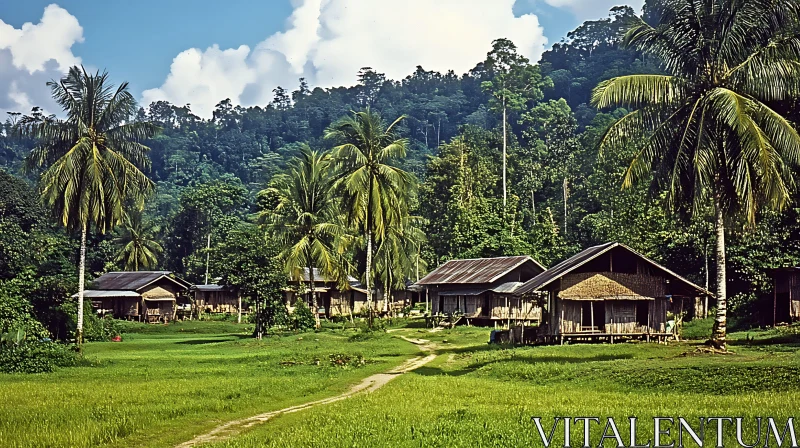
[(610, 292), (333, 300), (481, 290), (146, 296)]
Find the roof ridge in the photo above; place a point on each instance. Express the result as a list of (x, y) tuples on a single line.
[(489, 258)]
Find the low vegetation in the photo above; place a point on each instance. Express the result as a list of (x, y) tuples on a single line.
[(164, 384), (479, 395)]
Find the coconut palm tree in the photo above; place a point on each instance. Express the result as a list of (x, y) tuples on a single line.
[(374, 191), (303, 218), (706, 131), (137, 245), (398, 255), (92, 159)]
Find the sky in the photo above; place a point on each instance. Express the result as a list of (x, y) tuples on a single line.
[(200, 52)]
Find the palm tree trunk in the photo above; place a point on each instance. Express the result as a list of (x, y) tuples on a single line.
[(720, 322), (505, 191), (369, 273), (317, 323), (369, 250), (565, 206), (81, 284)]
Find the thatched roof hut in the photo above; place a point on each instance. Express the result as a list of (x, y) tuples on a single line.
[(611, 290)]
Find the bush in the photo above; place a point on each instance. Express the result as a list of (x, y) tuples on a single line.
[(697, 328), (302, 318), (19, 355), (16, 312), (101, 329), (95, 328)]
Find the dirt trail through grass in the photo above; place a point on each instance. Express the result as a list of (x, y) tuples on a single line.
[(368, 384)]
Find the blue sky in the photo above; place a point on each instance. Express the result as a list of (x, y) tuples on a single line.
[(201, 51)]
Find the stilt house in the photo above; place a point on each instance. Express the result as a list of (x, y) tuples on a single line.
[(148, 296), (610, 291), (482, 289), (333, 300), (217, 299), (784, 308)]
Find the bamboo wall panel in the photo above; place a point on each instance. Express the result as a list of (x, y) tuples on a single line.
[(658, 315), (571, 313), (621, 317)]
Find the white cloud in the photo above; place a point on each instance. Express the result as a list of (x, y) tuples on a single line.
[(327, 41), (34, 54), (593, 9)]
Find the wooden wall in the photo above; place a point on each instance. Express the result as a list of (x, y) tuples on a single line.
[(620, 316), (217, 301), (471, 306), (515, 308)]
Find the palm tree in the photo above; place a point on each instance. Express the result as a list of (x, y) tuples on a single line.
[(92, 159), (706, 131), (374, 191), (303, 218), (398, 255), (137, 245)]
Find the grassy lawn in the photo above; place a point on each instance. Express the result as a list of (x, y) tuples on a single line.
[(166, 384), (477, 395)]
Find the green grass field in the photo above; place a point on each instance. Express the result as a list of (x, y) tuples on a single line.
[(164, 385), (476, 395)]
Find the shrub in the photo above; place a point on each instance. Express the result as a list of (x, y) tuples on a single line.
[(101, 329), (16, 312), (95, 328), (20, 355), (697, 328), (302, 317)]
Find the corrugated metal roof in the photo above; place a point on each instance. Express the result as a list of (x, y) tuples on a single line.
[(503, 288), (581, 258), (478, 270), (210, 287), (319, 277), (95, 294), (132, 281), (507, 288), (463, 292)]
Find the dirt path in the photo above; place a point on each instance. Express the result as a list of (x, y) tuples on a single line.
[(368, 384)]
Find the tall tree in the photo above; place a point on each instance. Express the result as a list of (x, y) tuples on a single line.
[(705, 131), (375, 191), (302, 218), (93, 158), (398, 256), (137, 243), (515, 81)]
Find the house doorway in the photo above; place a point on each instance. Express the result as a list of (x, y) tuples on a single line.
[(643, 313), (593, 316)]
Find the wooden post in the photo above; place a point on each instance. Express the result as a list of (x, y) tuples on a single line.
[(239, 318), (591, 310), (427, 300), (508, 312), (775, 302)]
